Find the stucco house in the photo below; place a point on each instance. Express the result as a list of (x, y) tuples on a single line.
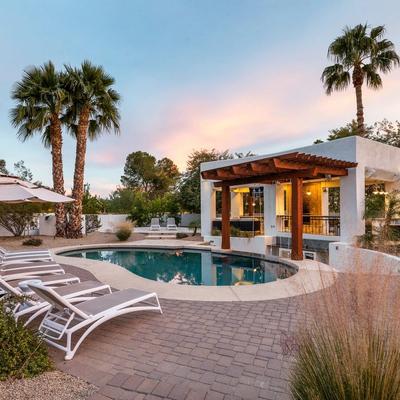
[(294, 203)]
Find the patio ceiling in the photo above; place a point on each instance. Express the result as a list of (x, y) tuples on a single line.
[(278, 168)]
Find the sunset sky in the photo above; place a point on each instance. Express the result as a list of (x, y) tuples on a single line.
[(242, 75)]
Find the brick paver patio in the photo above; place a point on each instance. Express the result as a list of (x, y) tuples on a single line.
[(195, 350)]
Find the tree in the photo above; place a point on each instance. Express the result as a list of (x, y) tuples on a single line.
[(189, 190), (91, 204), (386, 132), (41, 98), (22, 171), (142, 172), (143, 208), (358, 57), (382, 131), (120, 201), (92, 109), (3, 168)]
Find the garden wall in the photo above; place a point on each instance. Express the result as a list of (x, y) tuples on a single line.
[(344, 256), (257, 244)]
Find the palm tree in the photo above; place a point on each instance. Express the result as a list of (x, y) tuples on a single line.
[(93, 109), (359, 56), (40, 101)]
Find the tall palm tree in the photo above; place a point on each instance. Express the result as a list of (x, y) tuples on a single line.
[(40, 101), (359, 56), (93, 109)]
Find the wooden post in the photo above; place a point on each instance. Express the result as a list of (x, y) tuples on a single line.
[(297, 218), (225, 224)]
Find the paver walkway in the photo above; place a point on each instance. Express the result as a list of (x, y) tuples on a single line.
[(195, 350)]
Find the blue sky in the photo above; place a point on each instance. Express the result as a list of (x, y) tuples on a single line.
[(243, 75)]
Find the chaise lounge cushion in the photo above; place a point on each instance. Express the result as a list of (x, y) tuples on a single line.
[(110, 301)]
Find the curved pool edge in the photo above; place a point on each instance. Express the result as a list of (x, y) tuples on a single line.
[(311, 276)]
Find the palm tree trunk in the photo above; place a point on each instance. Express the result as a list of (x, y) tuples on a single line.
[(358, 79), (75, 224), (58, 174)]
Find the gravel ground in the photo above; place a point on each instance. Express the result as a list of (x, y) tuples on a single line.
[(50, 242), (54, 385), (15, 243)]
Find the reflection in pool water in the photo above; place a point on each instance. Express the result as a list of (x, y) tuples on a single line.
[(190, 267)]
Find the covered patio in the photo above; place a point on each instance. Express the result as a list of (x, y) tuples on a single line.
[(295, 167)]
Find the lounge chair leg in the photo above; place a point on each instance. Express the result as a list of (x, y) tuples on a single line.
[(159, 305)]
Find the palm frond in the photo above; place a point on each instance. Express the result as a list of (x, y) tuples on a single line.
[(374, 81), (335, 77)]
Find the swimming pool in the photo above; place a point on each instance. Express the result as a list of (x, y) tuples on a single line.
[(190, 267)]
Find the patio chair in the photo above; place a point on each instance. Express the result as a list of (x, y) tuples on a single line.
[(64, 319), (155, 224), (39, 255), (6, 252), (15, 271), (171, 225), (35, 305)]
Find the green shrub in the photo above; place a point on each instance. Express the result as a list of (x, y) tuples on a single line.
[(181, 235), (23, 353), (215, 232), (32, 242), (349, 346), (124, 231)]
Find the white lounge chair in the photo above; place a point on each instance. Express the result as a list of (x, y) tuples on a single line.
[(16, 271), (171, 225), (5, 252), (64, 319), (35, 305), (25, 256), (155, 224)]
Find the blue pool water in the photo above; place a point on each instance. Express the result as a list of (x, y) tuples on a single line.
[(190, 267)]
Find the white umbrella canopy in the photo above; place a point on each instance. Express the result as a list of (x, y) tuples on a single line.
[(16, 190)]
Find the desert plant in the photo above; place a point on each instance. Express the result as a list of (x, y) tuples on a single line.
[(195, 224), (17, 217), (92, 223), (23, 353), (124, 231), (32, 242), (181, 235), (349, 344)]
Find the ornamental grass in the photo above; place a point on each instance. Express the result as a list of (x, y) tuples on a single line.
[(349, 346)]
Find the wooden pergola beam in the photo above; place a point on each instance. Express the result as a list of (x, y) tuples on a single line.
[(297, 219), (225, 214)]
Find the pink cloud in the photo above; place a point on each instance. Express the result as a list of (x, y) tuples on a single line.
[(265, 111)]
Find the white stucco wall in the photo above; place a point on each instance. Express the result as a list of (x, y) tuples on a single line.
[(257, 244), (344, 257), (109, 222), (47, 225)]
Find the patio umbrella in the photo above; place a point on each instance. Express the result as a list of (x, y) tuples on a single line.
[(15, 190)]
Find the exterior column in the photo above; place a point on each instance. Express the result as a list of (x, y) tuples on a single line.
[(270, 210), (352, 204), (226, 210), (297, 218), (208, 207)]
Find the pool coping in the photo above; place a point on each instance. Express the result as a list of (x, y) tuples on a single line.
[(311, 276)]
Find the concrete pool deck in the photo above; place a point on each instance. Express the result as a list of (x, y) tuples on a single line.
[(311, 276)]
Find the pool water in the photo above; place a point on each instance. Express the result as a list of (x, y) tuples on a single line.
[(190, 267)]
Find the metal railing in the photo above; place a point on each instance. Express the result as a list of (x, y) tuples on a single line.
[(312, 224)]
